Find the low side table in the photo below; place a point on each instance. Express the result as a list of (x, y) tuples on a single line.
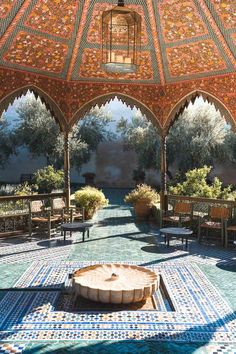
[(76, 226), (176, 232)]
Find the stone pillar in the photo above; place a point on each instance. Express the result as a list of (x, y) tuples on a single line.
[(164, 201), (67, 168)]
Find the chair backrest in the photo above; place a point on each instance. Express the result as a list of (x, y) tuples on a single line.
[(58, 204), (183, 208), (219, 212), (36, 206)]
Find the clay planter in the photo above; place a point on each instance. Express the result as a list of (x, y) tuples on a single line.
[(89, 214), (115, 283), (142, 209)]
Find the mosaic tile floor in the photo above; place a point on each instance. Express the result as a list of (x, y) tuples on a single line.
[(201, 282)]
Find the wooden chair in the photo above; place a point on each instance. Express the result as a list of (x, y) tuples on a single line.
[(181, 214), (40, 219), (230, 226), (217, 215), (66, 214)]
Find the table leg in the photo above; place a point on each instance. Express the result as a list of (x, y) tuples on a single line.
[(168, 240), (83, 234), (64, 235), (87, 233), (186, 242)]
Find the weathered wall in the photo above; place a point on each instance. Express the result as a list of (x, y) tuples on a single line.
[(114, 165)]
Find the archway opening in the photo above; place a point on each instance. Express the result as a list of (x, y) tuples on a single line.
[(125, 160), (200, 134), (30, 129)]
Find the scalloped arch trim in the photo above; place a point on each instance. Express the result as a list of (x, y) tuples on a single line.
[(45, 98), (127, 100), (191, 97)]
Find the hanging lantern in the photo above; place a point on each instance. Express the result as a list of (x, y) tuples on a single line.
[(121, 39)]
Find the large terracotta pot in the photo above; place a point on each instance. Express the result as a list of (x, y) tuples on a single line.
[(142, 209), (88, 214)]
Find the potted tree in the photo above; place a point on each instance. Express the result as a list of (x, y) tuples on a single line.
[(91, 199), (143, 197)]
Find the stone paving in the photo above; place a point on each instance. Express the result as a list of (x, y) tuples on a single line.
[(201, 282)]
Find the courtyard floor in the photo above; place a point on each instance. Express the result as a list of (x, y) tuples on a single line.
[(35, 305)]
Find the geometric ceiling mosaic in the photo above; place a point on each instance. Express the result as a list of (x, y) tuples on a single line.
[(180, 39)]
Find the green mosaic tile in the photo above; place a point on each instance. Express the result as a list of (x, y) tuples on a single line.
[(224, 280), (10, 273)]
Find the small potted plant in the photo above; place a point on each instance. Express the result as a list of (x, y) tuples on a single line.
[(91, 199), (143, 197)]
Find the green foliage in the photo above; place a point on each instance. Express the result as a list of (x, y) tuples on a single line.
[(91, 199), (143, 137), (48, 179), (142, 191), (23, 189), (196, 185), (36, 125), (197, 138), (35, 128), (6, 145)]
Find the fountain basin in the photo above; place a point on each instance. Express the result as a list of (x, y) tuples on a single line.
[(115, 283)]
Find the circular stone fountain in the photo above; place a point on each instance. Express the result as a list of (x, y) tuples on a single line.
[(115, 283)]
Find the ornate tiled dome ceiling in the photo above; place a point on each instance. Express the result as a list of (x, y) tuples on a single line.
[(181, 39)]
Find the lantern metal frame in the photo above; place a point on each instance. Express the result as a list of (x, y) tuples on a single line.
[(121, 39)]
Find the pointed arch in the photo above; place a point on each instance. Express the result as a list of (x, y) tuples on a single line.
[(128, 100), (191, 97), (45, 98)]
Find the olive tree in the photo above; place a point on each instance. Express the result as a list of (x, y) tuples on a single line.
[(6, 144), (197, 138), (37, 130)]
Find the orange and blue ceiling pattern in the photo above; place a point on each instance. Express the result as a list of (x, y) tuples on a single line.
[(181, 39)]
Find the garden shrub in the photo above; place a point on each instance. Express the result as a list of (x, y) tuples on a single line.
[(197, 185), (142, 192), (48, 179), (23, 189), (91, 199)]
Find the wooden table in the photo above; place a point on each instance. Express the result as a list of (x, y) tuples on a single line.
[(176, 232), (76, 226)]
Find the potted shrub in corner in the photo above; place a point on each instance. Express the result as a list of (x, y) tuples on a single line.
[(91, 199), (143, 197)]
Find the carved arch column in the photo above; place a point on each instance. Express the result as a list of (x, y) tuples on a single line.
[(67, 167), (164, 201)]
